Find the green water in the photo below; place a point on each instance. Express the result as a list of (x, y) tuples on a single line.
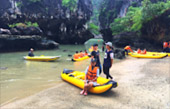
[(20, 78)]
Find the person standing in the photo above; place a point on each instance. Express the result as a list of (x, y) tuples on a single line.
[(108, 60), (31, 54), (95, 54)]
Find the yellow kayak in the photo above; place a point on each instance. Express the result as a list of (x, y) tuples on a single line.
[(148, 55), (77, 78), (41, 58), (161, 53), (81, 59)]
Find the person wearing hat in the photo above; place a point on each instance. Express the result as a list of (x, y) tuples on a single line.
[(31, 54), (91, 75), (96, 55), (108, 60)]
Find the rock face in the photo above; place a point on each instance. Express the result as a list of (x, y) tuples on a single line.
[(153, 32), (59, 22), (20, 30), (119, 53), (135, 41), (158, 29), (111, 9), (20, 43)]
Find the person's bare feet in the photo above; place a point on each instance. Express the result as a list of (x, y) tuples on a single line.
[(82, 92), (85, 93)]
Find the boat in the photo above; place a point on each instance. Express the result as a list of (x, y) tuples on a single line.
[(77, 78), (160, 53), (150, 55), (153, 53), (42, 58), (81, 59)]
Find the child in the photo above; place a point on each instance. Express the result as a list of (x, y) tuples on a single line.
[(92, 73), (108, 60), (76, 55), (85, 53), (81, 54)]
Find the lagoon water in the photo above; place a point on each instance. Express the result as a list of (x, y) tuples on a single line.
[(20, 78)]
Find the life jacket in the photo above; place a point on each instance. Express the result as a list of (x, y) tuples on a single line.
[(86, 54), (91, 74), (138, 51), (128, 48), (76, 56), (165, 44), (143, 52), (81, 54)]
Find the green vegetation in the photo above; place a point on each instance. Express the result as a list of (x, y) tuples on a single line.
[(93, 28), (19, 4), (136, 16), (71, 4), (96, 10), (26, 24)]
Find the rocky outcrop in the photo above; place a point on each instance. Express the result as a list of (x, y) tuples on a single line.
[(119, 53), (20, 43), (150, 36), (57, 21), (135, 41), (111, 9), (158, 29)]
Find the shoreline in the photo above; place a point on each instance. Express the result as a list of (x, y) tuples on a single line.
[(143, 83)]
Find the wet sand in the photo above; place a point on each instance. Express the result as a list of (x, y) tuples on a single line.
[(143, 84)]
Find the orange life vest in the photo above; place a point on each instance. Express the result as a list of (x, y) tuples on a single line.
[(143, 52), (91, 74), (128, 48), (138, 51), (76, 56), (81, 55), (165, 44), (86, 54)]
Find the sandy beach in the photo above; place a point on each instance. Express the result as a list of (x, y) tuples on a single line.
[(143, 84)]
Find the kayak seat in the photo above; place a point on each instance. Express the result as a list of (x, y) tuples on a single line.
[(67, 71), (71, 75)]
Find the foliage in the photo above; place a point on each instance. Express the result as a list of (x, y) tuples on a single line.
[(26, 24), (96, 10), (136, 16), (19, 4), (93, 28), (71, 4)]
